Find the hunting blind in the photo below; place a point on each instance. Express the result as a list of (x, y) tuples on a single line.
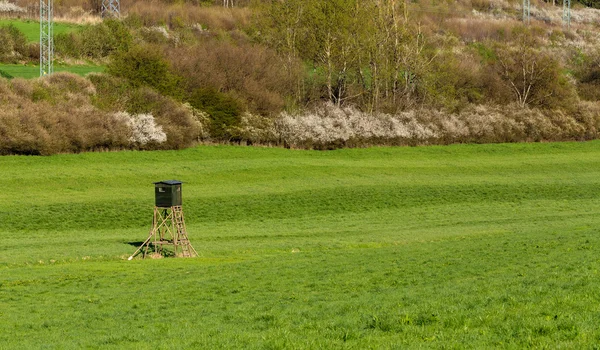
[(168, 224), (167, 193)]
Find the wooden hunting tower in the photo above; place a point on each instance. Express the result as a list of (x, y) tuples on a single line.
[(168, 224)]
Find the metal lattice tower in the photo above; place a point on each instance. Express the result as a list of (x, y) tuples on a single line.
[(111, 8), (567, 13), (526, 11), (46, 37)]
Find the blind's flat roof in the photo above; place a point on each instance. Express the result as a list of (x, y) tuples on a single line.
[(169, 182)]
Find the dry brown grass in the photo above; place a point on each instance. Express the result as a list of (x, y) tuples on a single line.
[(150, 13), (180, 14), (475, 29)]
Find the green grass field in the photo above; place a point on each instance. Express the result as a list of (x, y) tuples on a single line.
[(466, 246), (31, 28), (33, 71)]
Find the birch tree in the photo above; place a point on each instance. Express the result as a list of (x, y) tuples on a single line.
[(533, 77), (360, 50)]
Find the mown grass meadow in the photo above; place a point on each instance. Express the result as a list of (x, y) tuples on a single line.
[(31, 28), (465, 246), (29, 71)]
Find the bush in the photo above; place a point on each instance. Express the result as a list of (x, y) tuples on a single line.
[(255, 75), (62, 121), (180, 122), (453, 82), (533, 77), (256, 129), (223, 110), (112, 92), (59, 114), (177, 121), (587, 73), (13, 45), (94, 42), (329, 127), (143, 127), (145, 65)]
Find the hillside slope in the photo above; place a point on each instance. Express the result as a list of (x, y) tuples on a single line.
[(349, 73)]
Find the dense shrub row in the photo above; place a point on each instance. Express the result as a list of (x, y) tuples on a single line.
[(63, 113), (66, 113), (329, 126), (221, 73), (54, 115)]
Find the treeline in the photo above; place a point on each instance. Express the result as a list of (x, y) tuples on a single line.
[(373, 55), (64, 113)]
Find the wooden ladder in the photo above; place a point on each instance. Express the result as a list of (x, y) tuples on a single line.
[(181, 238)]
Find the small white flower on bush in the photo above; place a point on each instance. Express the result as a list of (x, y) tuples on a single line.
[(9, 7), (202, 120), (256, 129), (330, 123), (162, 30), (143, 128)]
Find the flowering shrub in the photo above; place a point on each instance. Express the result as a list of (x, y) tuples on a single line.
[(10, 7), (143, 128), (65, 113), (256, 129), (200, 119), (329, 126), (182, 124)]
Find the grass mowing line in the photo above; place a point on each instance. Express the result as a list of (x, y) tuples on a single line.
[(460, 246), (6, 75)]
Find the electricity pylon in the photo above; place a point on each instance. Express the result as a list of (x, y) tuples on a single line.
[(111, 8), (526, 11), (46, 37), (567, 13)]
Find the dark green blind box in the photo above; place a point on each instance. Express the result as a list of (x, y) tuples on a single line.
[(167, 193)]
